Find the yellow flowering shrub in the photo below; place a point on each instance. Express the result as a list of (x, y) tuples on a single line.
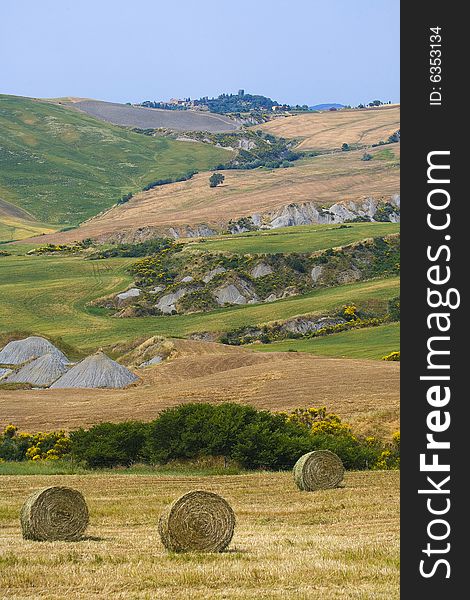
[(393, 356), (37, 446)]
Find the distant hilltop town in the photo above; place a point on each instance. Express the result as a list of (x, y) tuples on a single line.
[(244, 103)]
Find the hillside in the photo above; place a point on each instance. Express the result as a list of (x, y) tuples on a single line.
[(62, 166), (329, 130), (50, 295), (154, 118), (362, 392), (16, 223), (320, 181), (372, 342), (303, 238)]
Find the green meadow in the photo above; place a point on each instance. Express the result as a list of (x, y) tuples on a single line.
[(304, 238), (49, 295), (371, 342), (62, 166)]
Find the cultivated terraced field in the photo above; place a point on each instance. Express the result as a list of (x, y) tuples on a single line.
[(331, 544), (329, 130), (323, 180), (154, 118), (62, 166)]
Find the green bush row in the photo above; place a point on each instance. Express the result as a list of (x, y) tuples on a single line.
[(256, 439)]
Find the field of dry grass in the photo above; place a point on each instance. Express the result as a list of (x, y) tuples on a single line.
[(323, 180), (329, 130), (330, 545), (364, 393)]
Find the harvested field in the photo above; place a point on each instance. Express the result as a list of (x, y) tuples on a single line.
[(329, 130), (155, 118), (323, 180), (287, 544), (364, 393)]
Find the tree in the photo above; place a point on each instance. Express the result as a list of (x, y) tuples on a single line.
[(345, 147), (215, 179)]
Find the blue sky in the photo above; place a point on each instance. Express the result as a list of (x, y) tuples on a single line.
[(304, 51)]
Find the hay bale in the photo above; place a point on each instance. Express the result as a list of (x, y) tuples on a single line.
[(54, 513), (197, 521), (41, 371), (96, 371), (18, 352), (318, 470)]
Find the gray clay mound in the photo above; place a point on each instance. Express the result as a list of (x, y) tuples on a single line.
[(4, 373), (42, 371), (18, 352), (96, 371)]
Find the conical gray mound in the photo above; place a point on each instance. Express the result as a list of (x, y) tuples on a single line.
[(20, 351), (41, 371), (4, 373), (96, 371)]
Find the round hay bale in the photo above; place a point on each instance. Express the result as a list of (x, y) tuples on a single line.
[(197, 521), (54, 513), (318, 470)]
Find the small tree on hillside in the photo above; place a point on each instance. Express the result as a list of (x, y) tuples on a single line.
[(345, 147), (215, 179)]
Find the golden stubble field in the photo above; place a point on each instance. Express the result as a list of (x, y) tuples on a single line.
[(323, 180), (364, 393), (330, 129), (333, 544)]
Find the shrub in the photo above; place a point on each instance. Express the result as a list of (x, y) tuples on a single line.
[(215, 179), (271, 442), (393, 356), (110, 444), (198, 429), (147, 248), (394, 308), (38, 446)]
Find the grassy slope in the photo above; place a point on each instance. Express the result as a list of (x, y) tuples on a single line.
[(305, 238), (287, 544), (323, 180), (373, 342), (63, 166), (13, 229), (48, 295)]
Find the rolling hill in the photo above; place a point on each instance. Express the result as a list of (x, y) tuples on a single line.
[(329, 130), (59, 166), (322, 181), (50, 295), (155, 118), (303, 238), (363, 392)]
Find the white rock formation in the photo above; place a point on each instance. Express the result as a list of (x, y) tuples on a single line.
[(260, 270), (167, 303)]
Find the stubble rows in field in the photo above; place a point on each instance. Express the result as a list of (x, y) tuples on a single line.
[(331, 129), (288, 544)]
